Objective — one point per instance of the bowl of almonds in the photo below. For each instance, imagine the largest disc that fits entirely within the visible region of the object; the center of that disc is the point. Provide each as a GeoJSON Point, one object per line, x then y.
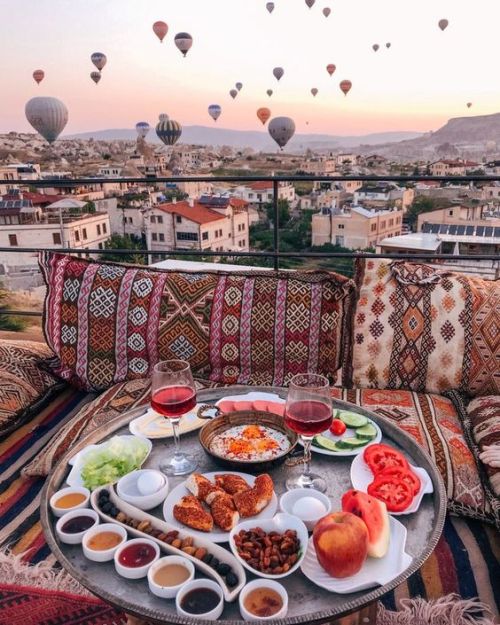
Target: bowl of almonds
{"type": "Point", "coordinates": [270, 548]}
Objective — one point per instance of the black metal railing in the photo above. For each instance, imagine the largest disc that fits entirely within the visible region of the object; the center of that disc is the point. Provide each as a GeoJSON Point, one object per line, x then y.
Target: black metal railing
{"type": "Point", "coordinates": [275, 254]}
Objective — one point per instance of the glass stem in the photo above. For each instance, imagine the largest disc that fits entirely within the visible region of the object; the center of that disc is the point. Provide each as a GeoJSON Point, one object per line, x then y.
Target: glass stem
{"type": "Point", "coordinates": [177, 438]}
{"type": "Point", "coordinates": [307, 440]}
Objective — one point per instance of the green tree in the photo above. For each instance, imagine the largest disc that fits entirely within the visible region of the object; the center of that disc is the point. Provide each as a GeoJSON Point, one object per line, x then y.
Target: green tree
{"type": "Point", "coordinates": [175, 194]}
{"type": "Point", "coordinates": [9, 322]}
{"type": "Point", "coordinates": [283, 211]}
{"type": "Point", "coordinates": [125, 242]}
{"type": "Point", "coordinates": [422, 204]}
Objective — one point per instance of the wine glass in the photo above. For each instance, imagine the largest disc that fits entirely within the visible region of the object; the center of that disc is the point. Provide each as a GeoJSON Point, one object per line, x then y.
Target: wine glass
{"type": "Point", "coordinates": [308, 412]}
{"type": "Point", "coordinates": [173, 394]}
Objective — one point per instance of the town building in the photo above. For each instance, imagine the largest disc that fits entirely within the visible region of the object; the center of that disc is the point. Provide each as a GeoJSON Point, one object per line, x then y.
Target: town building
{"type": "Point", "coordinates": [383, 195]}
{"type": "Point", "coordinates": [319, 166]}
{"type": "Point", "coordinates": [473, 215]}
{"type": "Point", "coordinates": [447, 167]}
{"type": "Point", "coordinates": [259, 193]}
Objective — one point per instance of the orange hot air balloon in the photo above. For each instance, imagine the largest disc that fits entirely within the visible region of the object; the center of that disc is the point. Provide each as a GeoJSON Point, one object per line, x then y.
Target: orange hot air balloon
{"type": "Point", "coordinates": [345, 86]}
{"type": "Point", "coordinates": [330, 68]}
{"type": "Point", "coordinates": [160, 29]}
{"type": "Point", "coordinates": [263, 114]}
{"type": "Point", "coordinates": [38, 76]}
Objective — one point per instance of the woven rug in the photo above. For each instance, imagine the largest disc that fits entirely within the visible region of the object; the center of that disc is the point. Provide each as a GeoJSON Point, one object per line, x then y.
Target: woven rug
{"type": "Point", "coordinates": [465, 561]}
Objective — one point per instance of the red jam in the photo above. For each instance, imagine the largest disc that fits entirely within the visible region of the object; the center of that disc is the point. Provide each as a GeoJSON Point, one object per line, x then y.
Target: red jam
{"type": "Point", "coordinates": [136, 555]}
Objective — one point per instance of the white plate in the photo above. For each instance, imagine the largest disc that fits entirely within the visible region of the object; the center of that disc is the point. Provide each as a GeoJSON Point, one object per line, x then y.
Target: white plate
{"type": "Point", "coordinates": [254, 396]}
{"type": "Point", "coordinates": [153, 425]}
{"type": "Point", "coordinates": [374, 572]}
{"type": "Point", "coordinates": [216, 535]}
{"type": "Point", "coordinates": [361, 477]}
{"type": "Point", "coordinates": [349, 432]}
{"type": "Point", "coordinates": [76, 462]}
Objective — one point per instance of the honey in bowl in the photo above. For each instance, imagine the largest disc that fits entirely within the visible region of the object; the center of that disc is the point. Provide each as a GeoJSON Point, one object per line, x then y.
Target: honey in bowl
{"type": "Point", "coordinates": [171, 575]}
{"type": "Point", "coordinates": [70, 500]}
{"type": "Point", "coordinates": [104, 541]}
{"type": "Point", "coordinates": [263, 602]}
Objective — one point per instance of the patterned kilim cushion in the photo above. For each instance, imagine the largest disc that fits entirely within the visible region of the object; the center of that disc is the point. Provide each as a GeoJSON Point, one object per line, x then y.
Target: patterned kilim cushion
{"type": "Point", "coordinates": [24, 385]}
{"type": "Point", "coordinates": [110, 323]}
{"type": "Point", "coordinates": [267, 328]}
{"type": "Point", "coordinates": [423, 329]}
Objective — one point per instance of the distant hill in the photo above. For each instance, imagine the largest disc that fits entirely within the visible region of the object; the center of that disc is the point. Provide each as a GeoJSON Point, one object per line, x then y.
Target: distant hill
{"type": "Point", "coordinates": [469, 130]}
{"type": "Point", "coordinates": [205, 135]}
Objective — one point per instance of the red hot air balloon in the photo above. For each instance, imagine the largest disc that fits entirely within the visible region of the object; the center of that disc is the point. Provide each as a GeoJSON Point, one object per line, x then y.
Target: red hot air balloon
{"type": "Point", "coordinates": [330, 68]}
{"type": "Point", "coordinates": [233, 93]}
{"type": "Point", "coordinates": [263, 114]}
{"type": "Point", "coordinates": [443, 24]}
{"type": "Point", "coordinates": [38, 76]}
{"type": "Point", "coordinates": [314, 91]}
{"type": "Point", "coordinates": [345, 86]}
{"type": "Point", "coordinates": [310, 3]}
{"type": "Point", "coordinates": [160, 29]}
{"type": "Point", "coordinates": [327, 11]}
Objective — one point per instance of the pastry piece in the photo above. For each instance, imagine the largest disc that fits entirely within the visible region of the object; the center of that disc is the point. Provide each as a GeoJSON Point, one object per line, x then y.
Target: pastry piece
{"type": "Point", "coordinates": [252, 501]}
{"type": "Point", "coordinates": [223, 512]}
{"type": "Point", "coordinates": [190, 512]}
{"type": "Point", "coordinates": [201, 487]}
{"type": "Point", "coordinates": [231, 483]}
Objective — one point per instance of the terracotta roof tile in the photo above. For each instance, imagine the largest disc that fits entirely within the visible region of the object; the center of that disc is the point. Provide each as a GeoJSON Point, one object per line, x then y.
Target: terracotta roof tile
{"type": "Point", "coordinates": [198, 213]}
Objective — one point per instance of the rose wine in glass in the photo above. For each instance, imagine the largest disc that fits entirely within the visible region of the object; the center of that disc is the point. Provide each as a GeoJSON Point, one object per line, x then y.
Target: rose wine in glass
{"type": "Point", "coordinates": [173, 394]}
{"type": "Point", "coordinates": [308, 412]}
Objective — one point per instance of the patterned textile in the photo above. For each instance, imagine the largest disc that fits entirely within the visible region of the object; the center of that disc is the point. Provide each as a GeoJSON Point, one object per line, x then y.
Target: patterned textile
{"type": "Point", "coordinates": [422, 329]}
{"type": "Point", "coordinates": [24, 386]}
{"type": "Point", "coordinates": [265, 329]}
{"type": "Point", "coordinates": [465, 560]}
{"type": "Point", "coordinates": [111, 323]}
{"type": "Point", "coordinates": [483, 423]}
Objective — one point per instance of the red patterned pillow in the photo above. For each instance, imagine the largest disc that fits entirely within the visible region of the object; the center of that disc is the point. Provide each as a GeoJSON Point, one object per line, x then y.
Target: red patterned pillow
{"type": "Point", "coordinates": [266, 328]}
{"type": "Point", "coordinates": [424, 329]}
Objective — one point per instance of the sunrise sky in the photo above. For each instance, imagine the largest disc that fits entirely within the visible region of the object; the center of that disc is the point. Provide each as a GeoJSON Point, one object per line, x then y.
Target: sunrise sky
{"type": "Point", "coordinates": [426, 77]}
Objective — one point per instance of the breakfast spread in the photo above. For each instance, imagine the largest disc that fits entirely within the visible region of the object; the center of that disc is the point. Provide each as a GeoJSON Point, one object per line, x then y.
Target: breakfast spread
{"type": "Point", "coordinates": [250, 442]}
{"type": "Point", "coordinates": [272, 553]}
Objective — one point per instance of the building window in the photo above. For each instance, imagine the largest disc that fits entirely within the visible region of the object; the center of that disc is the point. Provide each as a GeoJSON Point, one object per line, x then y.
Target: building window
{"type": "Point", "coordinates": [341, 226]}
{"type": "Point", "coordinates": [243, 227]}
{"type": "Point", "coordinates": [382, 225]}
{"type": "Point", "coordinates": [56, 238]}
{"type": "Point", "coordinates": [160, 219]}
{"type": "Point", "coordinates": [373, 227]}
{"type": "Point", "coordinates": [250, 195]}
{"type": "Point", "coordinates": [104, 229]}
{"type": "Point", "coordinates": [339, 240]}
{"type": "Point", "coordinates": [154, 236]}
{"type": "Point", "coordinates": [187, 236]}
{"type": "Point", "coordinates": [178, 219]}
{"type": "Point", "coordinates": [450, 213]}
{"type": "Point", "coordinates": [13, 239]}
{"type": "Point", "coordinates": [100, 246]}
{"type": "Point", "coordinates": [391, 222]}
{"type": "Point", "coordinates": [220, 232]}
{"type": "Point", "coordinates": [130, 220]}
{"type": "Point", "coordinates": [204, 236]}
{"type": "Point", "coordinates": [77, 235]}
{"type": "Point", "coordinates": [84, 233]}
{"type": "Point", "coordinates": [153, 219]}
{"type": "Point", "coordinates": [98, 230]}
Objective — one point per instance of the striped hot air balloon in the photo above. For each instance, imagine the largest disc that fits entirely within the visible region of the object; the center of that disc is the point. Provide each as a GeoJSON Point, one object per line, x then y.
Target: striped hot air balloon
{"type": "Point", "coordinates": [142, 129]}
{"type": "Point", "coordinates": [183, 41]}
{"type": "Point", "coordinates": [169, 131]}
{"type": "Point", "coordinates": [48, 116]}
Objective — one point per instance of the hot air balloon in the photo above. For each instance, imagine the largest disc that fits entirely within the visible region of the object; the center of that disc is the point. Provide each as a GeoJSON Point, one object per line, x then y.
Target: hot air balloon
{"type": "Point", "coordinates": [443, 24]}
{"type": "Point", "coordinates": [160, 29]}
{"type": "Point", "coordinates": [96, 76]}
{"type": "Point", "coordinates": [375, 47]}
{"type": "Point", "coordinates": [163, 117]}
{"type": "Point", "coordinates": [38, 76]}
{"type": "Point", "coordinates": [269, 92]}
{"type": "Point", "coordinates": [142, 129]}
{"type": "Point", "coordinates": [270, 7]}
{"type": "Point", "coordinates": [48, 116]}
{"type": "Point", "coordinates": [314, 91]}
{"type": "Point", "coordinates": [345, 86]}
{"type": "Point", "coordinates": [183, 41]}
{"type": "Point", "coordinates": [214, 110]}
{"type": "Point", "coordinates": [99, 60]}
{"type": "Point", "coordinates": [233, 93]}
{"type": "Point", "coordinates": [327, 11]}
{"type": "Point", "coordinates": [281, 130]}
{"type": "Point", "coordinates": [263, 114]}
{"type": "Point", "coordinates": [388, 45]}
{"type": "Point", "coordinates": [330, 68]}
{"type": "Point", "coordinates": [469, 104]}
{"type": "Point", "coordinates": [169, 131]}
{"type": "Point", "coordinates": [310, 3]}
{"type": "Point", "coordinates": [278, 72]}
{"type": "Point", "coordinates": [239, 86]}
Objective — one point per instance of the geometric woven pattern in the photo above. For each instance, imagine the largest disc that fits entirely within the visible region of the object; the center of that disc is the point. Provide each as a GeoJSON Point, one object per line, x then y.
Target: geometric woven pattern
{"type": "Point", "coordinates": [267, 328]}
{"type": "Point", "coordinates": [423, 329]}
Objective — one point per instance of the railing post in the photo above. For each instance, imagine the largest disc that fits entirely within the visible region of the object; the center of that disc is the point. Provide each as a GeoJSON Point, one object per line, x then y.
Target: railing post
{"type": "Point", "coordinates": [276, 225]}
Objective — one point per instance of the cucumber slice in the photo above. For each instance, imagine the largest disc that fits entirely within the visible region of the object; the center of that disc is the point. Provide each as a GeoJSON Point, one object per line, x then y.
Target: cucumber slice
{"type": "Point", "coordinates": [366, 432]}
{"type": "Point", "coordinates": [351, 443]}
{"type": "Point", "coordinates": [326, 443]}
{"type": "Point", "coordinates": [352, 419]}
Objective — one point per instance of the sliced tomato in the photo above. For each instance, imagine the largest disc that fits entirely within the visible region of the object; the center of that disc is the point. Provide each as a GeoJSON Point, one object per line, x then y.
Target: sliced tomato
{"type": "Point", "coordinates": [394, 492]}
{"type": "Point", "coordinates": [338, 427]}
{"type": "Point", "coordinates": [406, 475]}
{"type": "Point", "coordinates": [379, 457]}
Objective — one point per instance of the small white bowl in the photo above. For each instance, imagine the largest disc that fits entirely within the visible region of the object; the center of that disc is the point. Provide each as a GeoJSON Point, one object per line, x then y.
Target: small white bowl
{"type": "Point", "coordinates": [281, 522]}
{"type": "Point", "coordinates": [261, 583]}
{"type": "Point", "coordinates": [128, 491]}
{"type": "Point", "coordinates": [135, 572]}
{"type": "Point", "coordinates": [59, 512]}
{"type": "Point", "coordinates": [288, 500]}
{"type": "Point", "coordinates": [214, 614]}
{"type": "Point", "coordinates": [102, 555]}
{"type": "Point", "coordinates": [75, 539]}
{"type": "Point", "coordinates": [169, 592]}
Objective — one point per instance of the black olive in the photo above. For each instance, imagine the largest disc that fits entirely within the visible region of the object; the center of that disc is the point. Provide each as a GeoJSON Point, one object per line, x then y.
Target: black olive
{"type": "Point", "coordinates": [214, 563]}
{"type": "Point", "coordinates": [223, 568]}
{"type": "Point", "coordinates": [114, 511]}
{"type": "Point", "coordinates": [207, 558]}
{"type": "Point", "coordinates": [231, 580]}
{"type": "Point", "coordinates": [107, 507]}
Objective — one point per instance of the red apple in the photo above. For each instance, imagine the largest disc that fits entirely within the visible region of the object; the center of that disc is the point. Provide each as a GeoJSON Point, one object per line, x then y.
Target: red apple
{"type": "Point", "coordinates": [341, 543]}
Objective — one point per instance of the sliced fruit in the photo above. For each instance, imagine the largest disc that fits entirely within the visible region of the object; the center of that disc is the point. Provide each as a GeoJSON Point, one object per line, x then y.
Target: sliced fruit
{"type": "Point", "coordinates": [406, 475]}
{"type": "Point", "coordinates": [351, 443]}
{"type": "Point", "coordinates": [395, 493]}
{"type": "Point", "coordinates": [338, 427]}
{"type": "Point", "coordinates": [326, 443]}
{"type": "Point", "coordinates": [379, 457]}
{"type": "Point", "coordinates": [366, 432]}
{"type": "Point", "coordinates": [374, 513]}
{"type": "Point", "coordinates": [352, 419]}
